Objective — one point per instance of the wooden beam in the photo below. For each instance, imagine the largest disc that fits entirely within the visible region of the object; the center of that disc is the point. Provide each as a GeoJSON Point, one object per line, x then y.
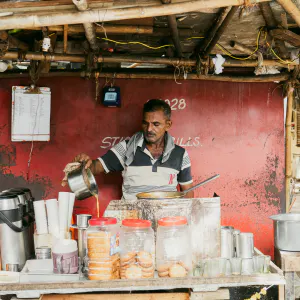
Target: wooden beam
{"type": "Point", "coordinates": [291, 9]}
{"type": "Point", "coordinates": [151, 75]}
{"type": "Point", "coordinates": [123, 296]}
{"type": "Point", "coordinates": [286, 35]}
{"type": "Point", "coordinates": [271, 22]}
{"type": "Point", "coordinates": [174, 33]}
{"type": "Point", "coordinates": [139, 59]}
{"type": "Point", "coordinates": [242, 48]}
{"type": "Point", "coordinates": [89, 28]}
{"type": "Point", "coordinates": [65, 38]}
{"type": "Point", "coordinates": [172, 22]}
{"type": "Point", "coordinates": [220, 31]}
{"type": "Point", "coordinates": [99, 15]}
{"type": "Point", "coordinates": [212, 31]}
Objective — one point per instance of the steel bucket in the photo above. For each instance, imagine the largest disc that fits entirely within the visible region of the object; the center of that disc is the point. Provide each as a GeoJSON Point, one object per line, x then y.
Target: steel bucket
{"type": "Point", "coordinates": [286, 231]}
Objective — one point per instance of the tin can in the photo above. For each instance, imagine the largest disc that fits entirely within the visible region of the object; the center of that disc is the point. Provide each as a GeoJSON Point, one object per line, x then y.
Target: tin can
{"type": "Point", "coordinates": [43, 253]}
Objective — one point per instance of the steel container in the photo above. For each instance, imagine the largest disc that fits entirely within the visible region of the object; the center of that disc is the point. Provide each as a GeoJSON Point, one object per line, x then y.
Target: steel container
{"type": "Point", "coordinates": [286, 231]}
{"type": "Point", "coordinates": [82, 183]}
{"type": "Point", "coordinates": [245, 245]}
{"type": "Point", "coordinates": [227, 249]}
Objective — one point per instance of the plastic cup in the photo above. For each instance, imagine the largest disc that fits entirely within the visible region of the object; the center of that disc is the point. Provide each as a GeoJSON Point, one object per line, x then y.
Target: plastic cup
{"type": "Point", "coordinates": [247, 266]}
{"type": "Point", "coordinates": [236, 265]}
{"type": "Point", "coordinates": [267, 263]}
{"type": "Point", "coordinates": [259, 263]}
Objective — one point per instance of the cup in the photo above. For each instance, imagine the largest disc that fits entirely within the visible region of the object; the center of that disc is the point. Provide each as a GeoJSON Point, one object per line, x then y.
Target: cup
{"type": "Point", "coordinates": [199, 268]}
{"type": "Point", "coordinates": [236, 265]}
{"type": "Point", "coordinates": [82, 221]}
{"type": "Point", "coordinates": [258, 263]}
{"type": "Point", "coordinates": [247, 266]}
{"type": "Point", "coordinates": [65, 257]}
{"type": "Point", "coordinates": [215, 267]}
{"type": "Point", "coordinates": [267, 264]}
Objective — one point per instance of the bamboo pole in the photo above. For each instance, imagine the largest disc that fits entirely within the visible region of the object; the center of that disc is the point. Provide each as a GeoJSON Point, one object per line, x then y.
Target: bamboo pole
{"type": "Point", "coordinates": [151, 75]}
{"type": "Point", "coordinates": [291, 9]}
{"type": "Point", "coordinates": [89, 28]}
{"type": "Point", "coordinates": [109, 29]}
{"type": "Point", "coordinates": [137, 59]}
{"type": "Point", "coordinates": [220, 30]}
{"type": "Point", "coordinates": [65, 38]}
{"type": "Point", "coordinates": [100, 15]}
{"type": "Point", "coordinates": [288, 143]}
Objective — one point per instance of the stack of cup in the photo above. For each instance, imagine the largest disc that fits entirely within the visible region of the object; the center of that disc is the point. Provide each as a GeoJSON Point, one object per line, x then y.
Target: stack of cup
{"type": "Point", "coordinates": [40, 217]}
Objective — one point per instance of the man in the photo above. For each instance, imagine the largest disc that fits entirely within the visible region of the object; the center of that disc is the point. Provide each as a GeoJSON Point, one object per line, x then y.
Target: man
{"type": "Point", "coordinates": [149, 161]}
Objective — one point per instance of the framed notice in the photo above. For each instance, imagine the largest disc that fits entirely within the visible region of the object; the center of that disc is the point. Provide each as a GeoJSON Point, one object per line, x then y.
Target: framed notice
{"type": "Point", "coordinates": [30, 114]}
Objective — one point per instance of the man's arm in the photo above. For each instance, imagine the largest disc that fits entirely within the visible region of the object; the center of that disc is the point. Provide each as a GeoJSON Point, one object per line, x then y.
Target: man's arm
{"type": "Point", "coordinates": [186, 187]}
{"type": "Point", "coordinates": [184, 177]}
{"type": "Point", "coordinates": [94, 165]}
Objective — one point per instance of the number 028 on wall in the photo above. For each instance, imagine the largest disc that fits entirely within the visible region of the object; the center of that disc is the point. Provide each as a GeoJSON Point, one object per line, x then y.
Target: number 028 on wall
{"type": "Point", "coordinates": [176, 104]}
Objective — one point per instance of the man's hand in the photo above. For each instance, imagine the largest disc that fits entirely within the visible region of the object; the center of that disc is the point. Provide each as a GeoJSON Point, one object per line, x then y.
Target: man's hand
{"type": "Point", "coordinates": [186, 187]}
{"type": "Point", "coordinates": [94, 165]}
{"type": "Point", "coordinates": [82, 157]}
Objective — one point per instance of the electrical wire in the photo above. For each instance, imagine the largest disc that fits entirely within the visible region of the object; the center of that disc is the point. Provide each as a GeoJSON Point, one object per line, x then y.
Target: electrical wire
{"type": "Point", "coordinates": [222, 48]}
{"type": "Point", "coordinates": [136, 43]}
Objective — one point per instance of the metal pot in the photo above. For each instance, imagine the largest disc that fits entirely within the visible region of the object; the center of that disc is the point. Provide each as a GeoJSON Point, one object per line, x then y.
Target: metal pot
{"type": "Point", "coordinates": [82, 183]}
{"type": "Point", "coordinates": [286, 231]}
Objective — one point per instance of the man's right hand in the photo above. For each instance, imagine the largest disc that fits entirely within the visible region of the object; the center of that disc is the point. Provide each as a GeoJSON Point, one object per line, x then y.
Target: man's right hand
{"type": "Point", "coordinates": [82, 157]}
{"type": "Point", "coordinates": [94, 165]}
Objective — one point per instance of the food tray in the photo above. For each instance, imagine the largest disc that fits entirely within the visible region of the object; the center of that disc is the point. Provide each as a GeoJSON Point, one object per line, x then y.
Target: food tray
{"type": "Point", "coordinates": [26, 276]}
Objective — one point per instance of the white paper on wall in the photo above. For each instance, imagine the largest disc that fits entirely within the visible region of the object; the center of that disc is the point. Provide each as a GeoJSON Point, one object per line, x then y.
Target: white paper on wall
{"type": "Point", "coordinates": [30, 114]}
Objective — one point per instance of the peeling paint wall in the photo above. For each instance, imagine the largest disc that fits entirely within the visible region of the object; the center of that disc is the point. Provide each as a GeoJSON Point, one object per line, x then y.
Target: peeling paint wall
{"type": "Point", "coordinates": [233, 129]}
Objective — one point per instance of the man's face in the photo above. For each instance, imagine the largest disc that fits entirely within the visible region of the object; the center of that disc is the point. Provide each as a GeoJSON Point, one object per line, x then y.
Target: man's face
{"type": "Point", "coordinates": [155, 124]}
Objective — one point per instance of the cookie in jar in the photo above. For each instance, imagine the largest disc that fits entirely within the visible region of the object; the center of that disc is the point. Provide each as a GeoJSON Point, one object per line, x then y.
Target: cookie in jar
{"type": "Point", "coordinates": [137, 256]}
{"type": "Point", "coordinates": [173, 247]}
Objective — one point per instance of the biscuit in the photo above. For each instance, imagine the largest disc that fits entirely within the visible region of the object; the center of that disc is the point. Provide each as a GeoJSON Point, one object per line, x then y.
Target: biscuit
{"type": "Point", "coordinates": [144, 259]}
{"type": "Point", "coordinates": [103, 256]}
{"type": "Point", "coordinates": [163, 274]}
{"type": "Point", "coordinates": [164, 267]}
{"type": "Point", "coordinates": [128, 262]}
{"type": "Point", "coordinates": [183, 265]}
{"type": "Point", "coordinates": [102, 234]}
{"type": "Point", "coordinates": [177, 270]}
{"type": "Point", "coordinates": [148, 270]}
{"type": "Point", "coordinates": [147, 275]}
{"type": "Point", "coordinates": [99, 250]}
{"type": "Point", "coordinates": [127, 256]}
{"type": "Point", "coordinates": [134, 272]}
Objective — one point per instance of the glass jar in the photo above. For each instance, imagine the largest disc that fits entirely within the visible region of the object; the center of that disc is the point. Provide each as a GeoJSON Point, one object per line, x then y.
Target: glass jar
{"type": "Point", "coordinates": [102, 241]}
{"type": "Point", "coordinates": [137, 249]}
{"type": "Point", "coordinates": [173, 247]}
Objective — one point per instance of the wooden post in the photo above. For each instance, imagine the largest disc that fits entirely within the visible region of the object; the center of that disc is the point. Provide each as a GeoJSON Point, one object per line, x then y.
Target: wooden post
{"type": "Point", "coordinates": [65, 38]}
{"type": "Point", "coordinates": [288, 143]}
{"type": "Point", "coordinates": [89, 28]}
{"type": "Point", "coordinates": [220, 30]}
{"type": "Point", "coordinates": [291, 9]}
{"type": "Point", "coordinates": [113, 14]}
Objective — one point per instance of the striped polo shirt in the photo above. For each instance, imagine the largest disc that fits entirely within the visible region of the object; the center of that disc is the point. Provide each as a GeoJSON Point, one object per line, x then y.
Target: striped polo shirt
{"type": "Point", "coordinates": [146, 174]}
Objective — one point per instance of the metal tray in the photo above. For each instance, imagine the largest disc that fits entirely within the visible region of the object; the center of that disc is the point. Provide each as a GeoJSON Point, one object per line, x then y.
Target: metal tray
{"type": "Point", "coordinates": [26, 276]}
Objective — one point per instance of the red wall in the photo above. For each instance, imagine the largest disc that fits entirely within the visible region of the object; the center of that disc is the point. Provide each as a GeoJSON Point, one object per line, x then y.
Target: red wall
{"type": "Point", "coordinates": [233, 129]}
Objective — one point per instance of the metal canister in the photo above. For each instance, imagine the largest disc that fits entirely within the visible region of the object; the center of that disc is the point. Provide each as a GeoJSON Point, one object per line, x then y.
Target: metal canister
{"type": "Point", "coordinates": [227, 250]}
{"type": "Point", "coordinates": [235, 234]}
{"type": "Point", "coordinates": [245, 246]}
{"type": "Point", "coordinates": [43, 253]}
